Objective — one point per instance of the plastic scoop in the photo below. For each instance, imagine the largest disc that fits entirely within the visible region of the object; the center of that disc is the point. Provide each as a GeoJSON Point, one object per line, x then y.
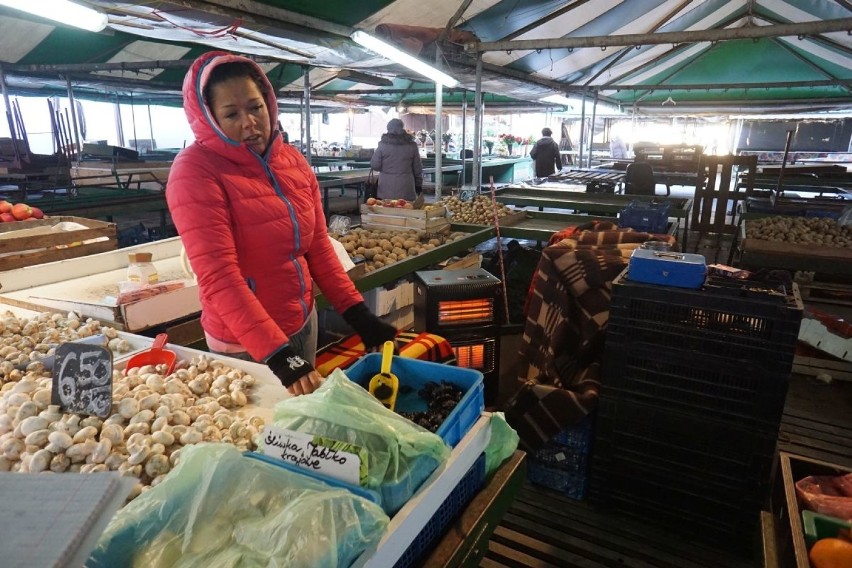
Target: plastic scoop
{"type": "Point", "coordinates": [156, 355]}
{"type": "Point", "coordinates": [385, 385]}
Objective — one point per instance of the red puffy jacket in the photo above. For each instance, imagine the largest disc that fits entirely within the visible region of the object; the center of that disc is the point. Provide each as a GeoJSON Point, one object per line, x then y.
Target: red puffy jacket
{"type": "Point", "coordinates": [253, 228]}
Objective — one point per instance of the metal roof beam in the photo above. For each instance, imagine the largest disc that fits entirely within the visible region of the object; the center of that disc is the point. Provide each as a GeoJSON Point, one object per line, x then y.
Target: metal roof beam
{"type": "Point", "coordinates": [553, 15]}
{"type": "Point", "coordinates": [728, 86]}
{"type": "Point", "coordinates": [799, 29]}
{"type": "Point", "coordinates": [118, 66]}
{"type": "Point", "coordinates": [262, 13]}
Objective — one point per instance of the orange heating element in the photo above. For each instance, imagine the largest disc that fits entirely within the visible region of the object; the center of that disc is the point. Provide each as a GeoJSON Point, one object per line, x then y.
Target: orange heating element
{"type": "Point", "coordinates": [471, 356]}
{"type": "Point", "coordinates": [466, 311]}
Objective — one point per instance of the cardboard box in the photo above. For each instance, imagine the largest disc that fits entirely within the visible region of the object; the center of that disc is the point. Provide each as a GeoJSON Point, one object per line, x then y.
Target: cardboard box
{"type": "Point", "coordinates": [382, 301]}
{"type": "Point", "coordinates": [402, 318]}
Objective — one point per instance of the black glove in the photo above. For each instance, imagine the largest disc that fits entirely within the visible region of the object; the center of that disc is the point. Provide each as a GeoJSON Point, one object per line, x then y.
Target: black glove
{"type": "Point", "coordinates": [288, 366]}
{"type": "Point", "coordinates": [373, 331]}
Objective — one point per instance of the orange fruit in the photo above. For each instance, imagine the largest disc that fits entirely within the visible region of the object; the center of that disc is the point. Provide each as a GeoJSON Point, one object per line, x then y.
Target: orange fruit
{"type": "Point", "coordinates": [831, 553]}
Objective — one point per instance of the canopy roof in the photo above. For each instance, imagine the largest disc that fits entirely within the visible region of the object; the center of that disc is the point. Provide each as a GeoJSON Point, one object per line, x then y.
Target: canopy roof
{"type": "Point", "coordinates": [530, 49]}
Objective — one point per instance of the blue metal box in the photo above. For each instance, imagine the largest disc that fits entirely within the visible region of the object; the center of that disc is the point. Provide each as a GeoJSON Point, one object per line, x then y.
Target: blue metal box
{"type": "Point", "coordinates": [679, 269]}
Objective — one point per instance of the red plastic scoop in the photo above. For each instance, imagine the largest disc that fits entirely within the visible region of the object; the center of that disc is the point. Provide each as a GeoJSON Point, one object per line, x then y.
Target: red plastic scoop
{"type": "Point", "coordinates": [156, 355]}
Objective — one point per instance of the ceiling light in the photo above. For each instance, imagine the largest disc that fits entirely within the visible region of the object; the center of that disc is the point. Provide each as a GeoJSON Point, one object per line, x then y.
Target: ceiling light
{"type": "Point", "coordinates": [398, 56]}
{"type": "Point", "coordinates": [61, 11]}
{"type": "Point", "coordinates": [558, 100]}
{"type": "Point", "coordinates": [365, 78]}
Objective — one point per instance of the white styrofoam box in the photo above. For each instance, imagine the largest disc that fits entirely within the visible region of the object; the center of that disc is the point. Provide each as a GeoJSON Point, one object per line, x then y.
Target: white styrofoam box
{"type": "Point", "coordinates": [264, 395]}
{"type": "Point", "coordinates": [83, 284]}
{"type": "Point", "coordinates": [814, 333]}
{"type": "Point", "coordinates": [382, 301]}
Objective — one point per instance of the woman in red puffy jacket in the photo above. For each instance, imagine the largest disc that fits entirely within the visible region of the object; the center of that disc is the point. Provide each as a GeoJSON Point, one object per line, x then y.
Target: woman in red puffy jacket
{"type": "Point", "coordinates": [249, 213]}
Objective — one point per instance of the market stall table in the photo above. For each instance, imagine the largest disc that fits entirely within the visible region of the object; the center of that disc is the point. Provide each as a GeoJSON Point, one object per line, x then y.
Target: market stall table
{"type": "Point", "coordinates": [121, 174]}
{"type": "Point", "coordinates": [578, 200]}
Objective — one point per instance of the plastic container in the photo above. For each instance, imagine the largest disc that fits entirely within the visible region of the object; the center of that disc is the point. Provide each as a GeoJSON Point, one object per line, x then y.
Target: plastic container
{"type": "Point", "coordinates": [414, 374]}
{"type": "Point", "coordinates": [436, 526]}
{"type": "Point", "coordinates": [645, 216]}
{"type": "Point", "coordinates": [682, 270]}
{"type": "Point", "coordinates": [817, 526]}
{"type": "Point", "coordinates": [141, 270]}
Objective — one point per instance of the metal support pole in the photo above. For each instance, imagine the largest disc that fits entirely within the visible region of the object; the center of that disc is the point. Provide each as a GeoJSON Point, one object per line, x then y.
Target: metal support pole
{"type": "Point", "coordinates": [119, 127]}
{"type": "Point", "coordinates": [133, 123]}
{"type": "Point", "coordinates": [439, 130]}
{"type": "Point", "coordinates": [463, 137]}
{"type": "Point", "coordinates": [11, 122]}
{"type": "Point", "coordinates": [308, 114]}
{"type": "Point", "coordinates": [592, 130]}
{"type": "Point", "coordinates": [151, 128]}
{"type": "Point", "coordinates": [780, 187]}
{"type": "Point", "coordinates": [582, 129]}
{"type": "Point", "coordinates": [476, 170]}
{"type": "Point", "coordinates": [74, 118]}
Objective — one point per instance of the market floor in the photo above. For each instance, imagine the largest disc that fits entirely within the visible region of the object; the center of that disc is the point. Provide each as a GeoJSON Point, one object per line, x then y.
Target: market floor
{"type": "Point", "coordinates": [544, 528]}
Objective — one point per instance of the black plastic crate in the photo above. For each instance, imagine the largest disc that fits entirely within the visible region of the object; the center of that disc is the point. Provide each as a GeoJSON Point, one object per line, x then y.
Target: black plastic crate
{"type": "Point", "coordinates": [721, 318]}
{"type": "Point", "coordinates": [732, 533]}
{"type": "Point", "coordinates": [741, 390]}
{"type": "Point", "coordinates": [692, 445]}
{"type": "Point", "coordinates": [739, 491]}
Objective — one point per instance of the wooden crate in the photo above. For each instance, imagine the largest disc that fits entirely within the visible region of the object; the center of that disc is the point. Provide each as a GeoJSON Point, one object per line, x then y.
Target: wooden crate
{"type": "Point", "coordinates": [36, 242]}
{"type": "Point", "coordinates": [751, 245]}
{"type": "Point", "coordinates": [432, 213]}
{"type": "Point", "coordinates": [790, 538]}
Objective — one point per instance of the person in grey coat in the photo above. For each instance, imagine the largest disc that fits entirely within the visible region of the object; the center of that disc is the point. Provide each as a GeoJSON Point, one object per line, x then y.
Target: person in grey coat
{"type": "Point", "coordinates": [546, 155]}
{"type": "Point", "coordinates": [397, 159]}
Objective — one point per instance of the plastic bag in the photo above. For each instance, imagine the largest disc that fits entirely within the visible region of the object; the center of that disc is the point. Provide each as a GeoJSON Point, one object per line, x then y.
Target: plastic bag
{"type": "Point", "coordinates": [503, 443]}
{"type": "Point", "coordinates": [845, 218]}
{"type": "Point", "coordinates": [220, 508]}
{"type": "Point", "coordinates": [400, 454]}
{"type": "Point", "coordinates": [827, 494]}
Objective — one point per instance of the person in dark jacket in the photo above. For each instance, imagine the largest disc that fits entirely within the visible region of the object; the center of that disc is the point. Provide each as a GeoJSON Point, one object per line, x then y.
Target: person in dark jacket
{"type": "Point", "coordinates": [397, 159]}
{"type": "Point", "coordinates": [546, 155]}
{"type": "Point", "coordinates": [249, 213]}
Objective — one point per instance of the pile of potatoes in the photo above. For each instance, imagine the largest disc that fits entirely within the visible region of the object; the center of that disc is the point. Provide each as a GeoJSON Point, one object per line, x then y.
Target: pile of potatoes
{"type": "Point", "coordinates": [153, 416]}
{"type": "Point", "coordinates": [800, 230]}
{"type": "Point", "coordinates": [477, 211]}
{"type": "Point", "coordinates": [383, 248]}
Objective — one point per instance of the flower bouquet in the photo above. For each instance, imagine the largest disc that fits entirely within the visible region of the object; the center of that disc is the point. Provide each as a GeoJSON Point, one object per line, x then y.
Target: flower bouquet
{"type": "Point", "coordinates": [510, 140]}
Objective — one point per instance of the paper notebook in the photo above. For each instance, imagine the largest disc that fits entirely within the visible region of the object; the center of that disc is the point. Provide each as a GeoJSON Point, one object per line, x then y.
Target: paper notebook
{"type": "Point", "coordinates": [53, 521]}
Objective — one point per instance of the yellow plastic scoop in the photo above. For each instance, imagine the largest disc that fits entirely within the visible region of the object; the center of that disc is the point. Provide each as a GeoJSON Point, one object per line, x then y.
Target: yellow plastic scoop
{"type": "Point", "coordinates": [385, 385]}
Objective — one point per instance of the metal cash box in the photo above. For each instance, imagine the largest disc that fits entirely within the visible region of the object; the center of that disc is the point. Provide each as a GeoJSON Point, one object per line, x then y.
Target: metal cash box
{"type": "Point", "coordinates": [679, 269]}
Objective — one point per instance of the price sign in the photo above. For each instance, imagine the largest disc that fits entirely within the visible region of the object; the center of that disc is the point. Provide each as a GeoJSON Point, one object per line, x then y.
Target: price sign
{"type": "Point", "coordinates": [467, 194]}
{"type": "Point", "coordinates": [82, 379]}
{"type": "Point", "coordinates": [340, 460]}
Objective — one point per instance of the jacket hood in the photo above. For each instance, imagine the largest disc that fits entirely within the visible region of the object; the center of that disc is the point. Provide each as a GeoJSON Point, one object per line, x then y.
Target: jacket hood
{"type": "Point", "coordinates": [544, 140]}
{"type": "Point", "coordinates": [400, 139]}
{"type": "Point", "coordinates": [200, 116]}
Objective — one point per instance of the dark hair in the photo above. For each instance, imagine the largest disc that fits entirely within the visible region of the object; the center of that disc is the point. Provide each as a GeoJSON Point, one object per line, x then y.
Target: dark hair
{"type": "Point", "coordinates": [232, 70]}
{"type": "Point", "coordinates": [546, 132]}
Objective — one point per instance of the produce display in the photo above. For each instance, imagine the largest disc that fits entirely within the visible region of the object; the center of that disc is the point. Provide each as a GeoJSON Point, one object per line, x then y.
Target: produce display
{"type": "Point", "coordinates": [10, 213]}
{"type": "Point", "coordinates": [831, 497]}
{"type": "Point", "coordinates": [383, 248]}
{"type": "Point", "coordinates": [477, 211]}
{"type": "Point", "coordinates": [442, 399]}
{"type": "Point", "coordinates": [398, 203]}
{"type": "Point", "coordinates": [154, 416]}
{"type": "Point", "coordinates": [819, 231]}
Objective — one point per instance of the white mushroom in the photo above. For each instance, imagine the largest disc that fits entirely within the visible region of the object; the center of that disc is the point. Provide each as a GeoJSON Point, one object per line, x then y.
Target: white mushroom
{"type": "Point", "coordinates": [163, 437]}
{"type": "Point", "coordinates": [59, 442]}
{"type": "Point", "coordinates": [59, 463]}
{"type": "Point", "coordinates": [138, 455]}
{"type": "Point", "coordinates": [157, 465]}
{"type": "Point", "coordinates": [37, 438]}
{"type": "Point", "coordinates": [191, 436]}
{"type": "Point", "coordinates": [40, 461]}
{"type": "Point", "coordinates": [112, 432]}
{"type": "Point", "coordinates": [79, 452]}
{"type": "Point", "coordinates": [83, 434]}
{"type": "Point", "coordinates": [31, 424]}
{"type": "Point", "coordinates": [101, 451]}
{"type": "Point", "coordinates": [128, 408]}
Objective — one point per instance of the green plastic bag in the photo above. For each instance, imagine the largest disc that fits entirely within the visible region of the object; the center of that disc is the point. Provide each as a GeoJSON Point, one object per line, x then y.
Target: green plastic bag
{"type": "Point", "coordinates": [503, 443]}
{"type": "Point", "coordinates": [400, 454]}
{"type": "Point", "coordinates": [221, 508]}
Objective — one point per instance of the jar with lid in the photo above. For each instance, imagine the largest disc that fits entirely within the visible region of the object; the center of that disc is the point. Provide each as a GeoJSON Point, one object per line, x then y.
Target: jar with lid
{"type": "Point", "coordinates": [141, 270]}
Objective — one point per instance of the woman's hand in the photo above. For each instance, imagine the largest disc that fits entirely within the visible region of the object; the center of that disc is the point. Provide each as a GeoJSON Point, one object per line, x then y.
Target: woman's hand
{"type": "Point", "coordinates": [307, 384]}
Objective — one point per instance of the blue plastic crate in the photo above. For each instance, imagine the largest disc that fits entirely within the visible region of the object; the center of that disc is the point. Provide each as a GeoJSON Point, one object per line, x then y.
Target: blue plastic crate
{"type": "Point", "coordinates": [415, 374]}
{"type": "Point", "coordinates": [646, 216]}
{"type": "Point", "coordinates": [435, 528]}
{"type": "Point", "coordinates": [572, 484]}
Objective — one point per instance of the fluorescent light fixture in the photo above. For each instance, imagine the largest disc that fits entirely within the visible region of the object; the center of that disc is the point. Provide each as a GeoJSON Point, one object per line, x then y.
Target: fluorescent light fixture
{"type": "Point", "coordinates": [61, 11]}
{"type": "Point", "coordinates": [365, 78]}
{"type": "Point", "coordinates": [558, 100]}
{"type": "Point", "coordinates": [398, 56]}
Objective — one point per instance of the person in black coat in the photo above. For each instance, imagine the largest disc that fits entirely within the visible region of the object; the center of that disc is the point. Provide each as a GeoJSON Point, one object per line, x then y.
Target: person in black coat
{"type": "Point", "coordinates": [546, 155]}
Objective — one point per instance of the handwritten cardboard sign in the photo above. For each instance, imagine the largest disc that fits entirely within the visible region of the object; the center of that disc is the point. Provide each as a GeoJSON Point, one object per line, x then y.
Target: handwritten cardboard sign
{"type": "Point", "coordinates": [333, 458]}
{"type": "Point", "coordinates": [82, 379]}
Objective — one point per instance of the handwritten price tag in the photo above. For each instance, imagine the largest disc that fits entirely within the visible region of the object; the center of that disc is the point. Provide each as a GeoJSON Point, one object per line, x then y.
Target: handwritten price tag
{"type": "Point", "coordinates": [333, 458]}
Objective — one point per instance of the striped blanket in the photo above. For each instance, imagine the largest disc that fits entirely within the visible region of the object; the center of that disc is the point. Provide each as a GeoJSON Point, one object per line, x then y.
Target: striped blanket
{"type": "Point", "coordinates": [423, 346]}
{"type": "Point", "coordinates": [562, 343]}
